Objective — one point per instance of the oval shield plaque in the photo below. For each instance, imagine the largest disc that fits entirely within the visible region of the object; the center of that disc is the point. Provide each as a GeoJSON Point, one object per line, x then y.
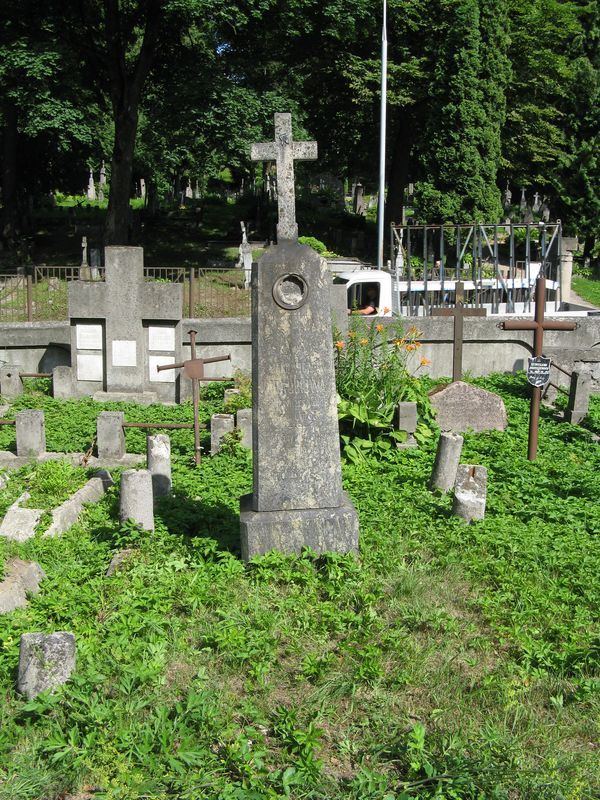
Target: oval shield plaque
{"type": "Point", "coordinates": [538, 371]}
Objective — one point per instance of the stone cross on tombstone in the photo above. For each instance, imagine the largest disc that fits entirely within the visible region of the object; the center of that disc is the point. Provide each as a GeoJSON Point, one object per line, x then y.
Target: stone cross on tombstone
{"type": "Point", "coordinates": [297, 497]}
{"type": "Point", "coordinates": [538, 325]}
{"type": "Point", "coordinates": [122, 328]}
{"type": "Point", "coordinates": [459, 312]}
{"type": "Point", "coordinates": [284, 150]}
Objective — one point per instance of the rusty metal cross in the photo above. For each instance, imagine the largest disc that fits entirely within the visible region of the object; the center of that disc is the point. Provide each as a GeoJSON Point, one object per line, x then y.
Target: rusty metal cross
{"type": "Point", "coordinates": [194, 370]}
{"type": "Point", "coordinates": [459, 312]}
{"type": "Point", "coordinates": [538, 325]}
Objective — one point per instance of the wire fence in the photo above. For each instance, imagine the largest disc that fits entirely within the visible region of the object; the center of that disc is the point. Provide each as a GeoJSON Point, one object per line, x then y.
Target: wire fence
{"type": "Point", "coordinates": [42, 294]}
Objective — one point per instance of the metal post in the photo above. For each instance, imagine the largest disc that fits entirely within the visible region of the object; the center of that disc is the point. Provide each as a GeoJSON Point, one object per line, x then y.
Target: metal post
{"type": "Point", "coordinates": [191, 292]}
{"type": "Point", "coordinates": [195, 403]}
{"type": "Point", "coordinates": [382, 126]}
{"type": "Point", "coordinates": [538, 343]}
{"type": "Point", "coordinates": [29, 298]}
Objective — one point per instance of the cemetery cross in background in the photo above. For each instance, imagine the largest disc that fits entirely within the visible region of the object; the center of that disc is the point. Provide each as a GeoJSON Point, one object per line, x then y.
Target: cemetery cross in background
{"type": "Point", "coordinates": [459, 312]}
{"type": "Point", "coordinates": [194, 370]}
{"type": "Point", "coordinates": [284, 151]}
{"type": "Point", "coordinates": [538, 325]}
{"type": "Point", "coordinates": [297, 499]}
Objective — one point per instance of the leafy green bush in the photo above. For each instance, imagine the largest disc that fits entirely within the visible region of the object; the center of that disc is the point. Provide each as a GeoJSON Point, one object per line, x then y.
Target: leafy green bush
{"type": "Point", "coordinates": [372, 377]}
{"type": "Point", "coordinates": [316, 245]}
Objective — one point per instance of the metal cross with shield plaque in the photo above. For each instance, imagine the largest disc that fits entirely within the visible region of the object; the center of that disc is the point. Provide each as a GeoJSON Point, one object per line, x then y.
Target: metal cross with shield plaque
{"type": "Point", "coordinates": [538, 325]}
{"type": "Point", "coordinates": [193, 369]}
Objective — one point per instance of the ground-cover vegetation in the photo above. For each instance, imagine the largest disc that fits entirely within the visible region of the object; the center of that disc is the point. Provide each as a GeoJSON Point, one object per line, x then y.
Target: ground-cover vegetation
{"type": "Point", "coordinates": [450, 661]}
{"type": "Point", "coordinates": [588, 289]}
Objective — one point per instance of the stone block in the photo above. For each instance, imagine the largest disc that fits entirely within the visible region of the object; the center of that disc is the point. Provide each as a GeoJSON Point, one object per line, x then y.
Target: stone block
{"type": "Point", "coordinates": [28, 572]}
{"type": "Point", "coordinates": [137, 500]}
{"type": "Point", "coordinates": [447, 459]}
{"type": "Point", "coordinates": [470, 492]}
{"type": "Point", "coordinates": [158, 449]}
{"type": "Point", "coordinates": [19, 523]}
{"type": "Point", "coordinates": [11, 385]}
{"type": "Point", "coordinates": [45, 662]}
{"type": "Point", "coordinates": [579, 397]}
{"type": "Point", "coordinates": [12, 594]}
{"type": "Point", "coordinates": [228, 394]}
{"type": "Point", "coordinates": [407, 422]}
{"type": "Point", "coordinates": [244, 425]}
{"type": "Point", "coordinates": [110, 436]}
{"type": "Point", "coordinates": [322, 529]}
{"type": "Point", "coordinates": [220, 425]}
{"type": "Point", "coordinates": [63, 385]}
{"type": "Point", "coordinates": [118, 560]}
{"type": "Point", "coordinates": [461, 407]}
{"type": "Point", "coordinates": [22, 578]}
{"type": "Point", "coordinates": [31, 433]}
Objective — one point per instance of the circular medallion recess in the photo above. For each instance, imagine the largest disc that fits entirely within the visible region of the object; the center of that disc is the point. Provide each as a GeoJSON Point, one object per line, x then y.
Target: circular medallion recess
{"type": "Point", "coordinates": [290, 291]}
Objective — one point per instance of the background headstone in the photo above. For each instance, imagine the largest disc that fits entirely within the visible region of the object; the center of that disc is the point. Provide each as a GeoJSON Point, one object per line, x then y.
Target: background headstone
{"type": "Point", "coordinates": [123, 328]}
{"type": "Point", "coordinates": [461, 407]}
{"type": "Point", "coordinates": [136, 498]}
{"type": "Point", "coordinates": [158, 449]}
{"type": "Point", "coordinates": [31, 433]}
{"type": "Point", "coordinates": [220, 426]}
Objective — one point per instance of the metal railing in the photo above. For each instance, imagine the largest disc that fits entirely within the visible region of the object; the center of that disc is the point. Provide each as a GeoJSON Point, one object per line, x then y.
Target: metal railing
{"type": "Point", "coordinates": [498, 263]}
{"type": "Point", "coordinates": [41, 293]}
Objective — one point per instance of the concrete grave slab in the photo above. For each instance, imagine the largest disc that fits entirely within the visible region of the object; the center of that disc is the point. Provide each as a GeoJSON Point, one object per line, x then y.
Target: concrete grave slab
{"type": "Point", "coordinates": [67, 514]}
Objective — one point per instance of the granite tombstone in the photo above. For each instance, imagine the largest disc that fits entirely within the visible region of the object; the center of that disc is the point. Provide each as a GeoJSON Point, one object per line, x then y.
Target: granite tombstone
{"type": "Point", "coordinates": [297, 497]}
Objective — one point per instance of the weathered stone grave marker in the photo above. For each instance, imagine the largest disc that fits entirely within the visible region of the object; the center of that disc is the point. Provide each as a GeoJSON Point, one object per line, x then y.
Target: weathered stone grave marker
{"type": "Point", "coordinates": [297, 497]}
{"type": "Point", "coordinates": [122, 329]}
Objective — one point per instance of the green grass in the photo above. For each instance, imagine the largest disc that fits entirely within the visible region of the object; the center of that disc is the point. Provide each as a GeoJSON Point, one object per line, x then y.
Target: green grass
{"type": "Point", "coordinates": [588, 289]}
{"type": "Point", "coordinates": [450, 661]}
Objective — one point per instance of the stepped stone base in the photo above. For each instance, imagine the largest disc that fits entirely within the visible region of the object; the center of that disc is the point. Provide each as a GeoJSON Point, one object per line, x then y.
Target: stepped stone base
{"type": "Point", "coordinates": [322, 529]}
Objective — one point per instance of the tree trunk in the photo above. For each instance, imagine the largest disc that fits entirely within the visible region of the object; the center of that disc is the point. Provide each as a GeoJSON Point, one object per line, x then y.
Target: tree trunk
{"type": "Point", "coordinates": [398, 178]}
{"type": "Point", "coordinates": [9, 175]}
{"type": "Point", "coordinates": [118, 214]}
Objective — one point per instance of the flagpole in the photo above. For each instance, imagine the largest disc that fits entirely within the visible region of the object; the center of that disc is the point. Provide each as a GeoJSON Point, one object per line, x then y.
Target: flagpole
{"type": "Point", "coordinates": [382, 128]}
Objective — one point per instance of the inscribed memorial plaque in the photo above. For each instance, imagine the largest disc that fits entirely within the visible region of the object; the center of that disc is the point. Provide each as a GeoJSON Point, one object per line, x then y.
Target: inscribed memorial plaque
{"type": "Point", "coordinates": [168, 376]}
{"type": "Point", "coordinates": [89, 337]}
{"type": "Point", "coordinates": [161, 338]}
{"type": "Point", "coordinates": [538, 371]}
{"type": "Point", "coordinates": [124, 353]}
{"type": "Point", "coordinates": [90, 367]}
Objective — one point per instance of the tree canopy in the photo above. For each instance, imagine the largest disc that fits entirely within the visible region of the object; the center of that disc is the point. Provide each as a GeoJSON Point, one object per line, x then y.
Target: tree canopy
{"type": "Point", "coordinates": [481, 93]}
